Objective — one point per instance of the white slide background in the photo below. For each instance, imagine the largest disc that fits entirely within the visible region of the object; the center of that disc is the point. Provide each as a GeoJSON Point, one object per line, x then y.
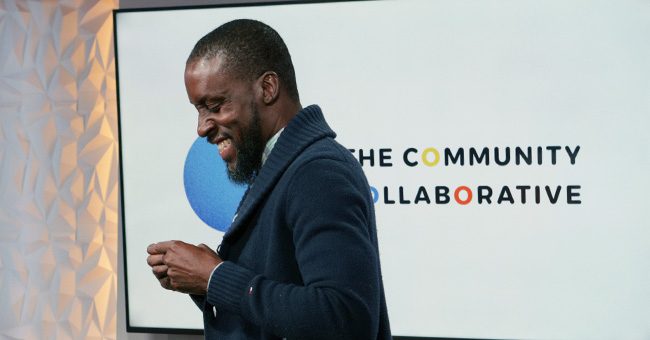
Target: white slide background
{"type": "Point", "coordinates": [441, 74]}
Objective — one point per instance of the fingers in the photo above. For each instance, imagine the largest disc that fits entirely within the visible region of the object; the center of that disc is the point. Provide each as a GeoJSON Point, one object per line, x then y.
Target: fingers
{"type": "Point", "coordinates": [166, 283]}
{"type": "Point", "coordinates": [160, 247]}
{"type": "Point", "coordinates": [153, 249]}
{"type": "Point", "coordinates": [181, 266]}
{"type": "Point", "coordinates": [160, 271]}
{"type": "Point", "coordinates": [155, 260]}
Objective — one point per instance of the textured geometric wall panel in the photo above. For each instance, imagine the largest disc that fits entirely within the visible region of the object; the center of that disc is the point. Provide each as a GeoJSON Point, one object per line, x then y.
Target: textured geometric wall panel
{"type": "Point", "coordinates": [58, 170]}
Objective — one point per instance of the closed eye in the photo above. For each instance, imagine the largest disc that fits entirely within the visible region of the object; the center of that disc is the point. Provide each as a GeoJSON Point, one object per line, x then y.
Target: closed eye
{"type": "Point", "coordinates": [215, 105]}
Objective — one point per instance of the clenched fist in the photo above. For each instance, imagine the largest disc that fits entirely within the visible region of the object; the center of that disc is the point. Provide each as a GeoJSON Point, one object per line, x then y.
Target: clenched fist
{"type": "Point", "coordinates": [181, 266]}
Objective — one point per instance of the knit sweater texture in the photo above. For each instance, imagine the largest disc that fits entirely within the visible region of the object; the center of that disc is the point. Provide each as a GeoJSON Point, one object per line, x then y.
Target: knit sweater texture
{"type": "Point", "coordinates": [301, 257]}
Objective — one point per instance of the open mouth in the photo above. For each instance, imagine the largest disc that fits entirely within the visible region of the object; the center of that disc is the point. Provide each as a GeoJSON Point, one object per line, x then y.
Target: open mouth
{"type": "Point", "coordinates": [226, 150]}
{"type": "Point", "coordinates": [224, 144]}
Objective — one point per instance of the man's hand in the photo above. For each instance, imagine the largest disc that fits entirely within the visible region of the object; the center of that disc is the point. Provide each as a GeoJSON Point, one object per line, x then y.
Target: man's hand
{"type": "Point", "coordinates": [182, 267]}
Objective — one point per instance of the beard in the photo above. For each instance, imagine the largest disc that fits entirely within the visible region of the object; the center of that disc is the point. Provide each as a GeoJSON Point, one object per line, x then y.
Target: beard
{"type": "Point", "coordinates": [249, 153]}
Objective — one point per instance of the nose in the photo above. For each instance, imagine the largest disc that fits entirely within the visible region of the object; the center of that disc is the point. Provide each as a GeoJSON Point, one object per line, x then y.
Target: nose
{"type": "Point", "coordinates": [205, 125]}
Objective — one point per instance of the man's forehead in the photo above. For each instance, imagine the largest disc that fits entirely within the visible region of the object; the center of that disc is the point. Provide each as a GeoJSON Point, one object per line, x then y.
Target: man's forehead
{"type": "Point", "coordinates": [207, 65]}
{"type": "Point", "coordinates": [208, 79]}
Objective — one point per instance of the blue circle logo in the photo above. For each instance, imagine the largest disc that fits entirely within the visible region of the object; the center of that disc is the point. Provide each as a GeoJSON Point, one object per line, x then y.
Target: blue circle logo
{"type": "Point", "coordinates": [212, 196]}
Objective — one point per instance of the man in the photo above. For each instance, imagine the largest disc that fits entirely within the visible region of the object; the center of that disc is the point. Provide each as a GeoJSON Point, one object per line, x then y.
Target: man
{"type": "Point", "coordinates": [300, 260]}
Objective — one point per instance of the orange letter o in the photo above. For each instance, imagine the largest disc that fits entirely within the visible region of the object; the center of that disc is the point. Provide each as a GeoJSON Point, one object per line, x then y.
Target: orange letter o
{"type": "Point", "coordinates": [457, 195]}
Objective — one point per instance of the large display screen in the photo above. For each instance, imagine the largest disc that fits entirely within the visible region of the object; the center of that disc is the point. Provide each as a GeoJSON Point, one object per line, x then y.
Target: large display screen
{"type": "Point", "coordinates": [506, 143]}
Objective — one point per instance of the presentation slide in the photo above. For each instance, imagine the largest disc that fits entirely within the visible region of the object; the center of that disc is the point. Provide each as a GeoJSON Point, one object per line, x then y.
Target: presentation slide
{"type": "Point", "coordinates": [505, 142]}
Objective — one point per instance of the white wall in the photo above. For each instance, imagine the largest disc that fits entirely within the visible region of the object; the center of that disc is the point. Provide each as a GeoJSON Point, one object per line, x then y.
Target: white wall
{"type": "Point", "coordinates": [58, 170]}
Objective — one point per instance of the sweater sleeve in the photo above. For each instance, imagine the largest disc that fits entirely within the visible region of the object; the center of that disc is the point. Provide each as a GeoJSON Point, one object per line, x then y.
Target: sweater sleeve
{"type": "Point", "coordinates": [329, 209]}
{"type": "Point", "coordinates": [199, 300]}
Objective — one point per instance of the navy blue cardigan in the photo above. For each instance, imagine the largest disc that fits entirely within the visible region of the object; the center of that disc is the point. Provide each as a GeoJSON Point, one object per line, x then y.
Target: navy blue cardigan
{"type": "Point", "coordinates": [301, 257]}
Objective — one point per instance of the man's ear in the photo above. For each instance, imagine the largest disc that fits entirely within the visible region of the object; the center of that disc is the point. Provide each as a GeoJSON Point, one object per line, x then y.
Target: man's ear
{"type": "Point", "coordinates": [270, 85]}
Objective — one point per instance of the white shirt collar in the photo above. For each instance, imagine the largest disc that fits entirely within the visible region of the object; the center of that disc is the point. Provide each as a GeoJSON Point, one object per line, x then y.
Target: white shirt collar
{"type": "Point", "coordinates": [270, 144]}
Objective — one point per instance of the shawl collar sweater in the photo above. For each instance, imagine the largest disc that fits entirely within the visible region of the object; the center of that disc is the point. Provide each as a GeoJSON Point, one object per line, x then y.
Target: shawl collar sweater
{"type": "Point", "coordinates": [300, 259]}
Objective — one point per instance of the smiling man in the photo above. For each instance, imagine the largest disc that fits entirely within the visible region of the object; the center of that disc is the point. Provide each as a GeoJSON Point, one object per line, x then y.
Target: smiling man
{"type": "Point", "coordinates": [300, 260]}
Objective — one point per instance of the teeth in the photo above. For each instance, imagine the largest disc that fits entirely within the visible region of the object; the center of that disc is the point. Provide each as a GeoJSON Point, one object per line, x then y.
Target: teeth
{"type": "Point", "coordinates": [224, 144]}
